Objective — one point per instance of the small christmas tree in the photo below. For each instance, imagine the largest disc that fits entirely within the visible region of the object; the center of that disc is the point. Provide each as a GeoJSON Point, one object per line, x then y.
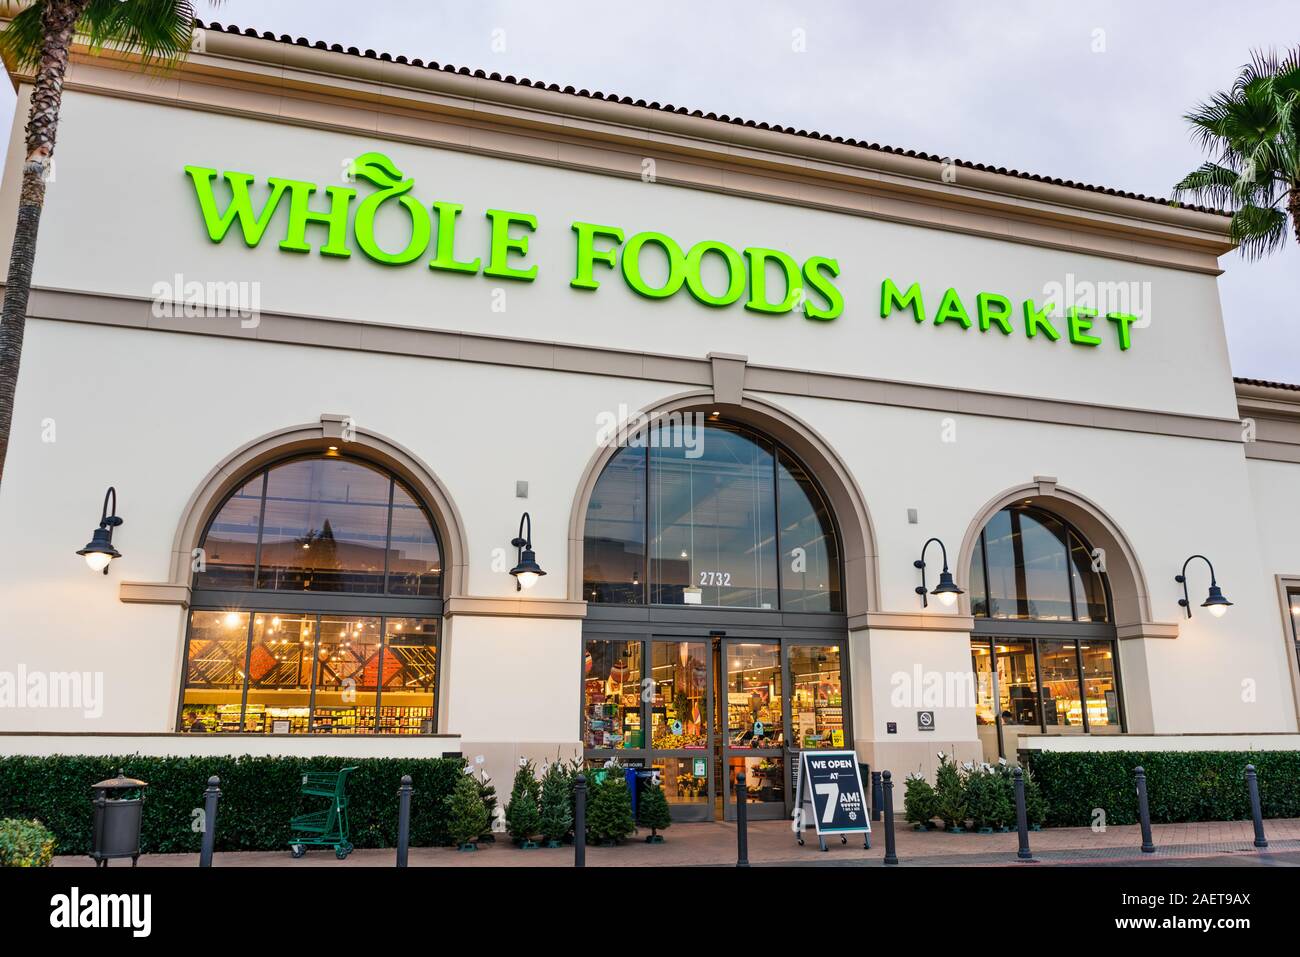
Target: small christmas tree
{"type": "Point", "coordinates": [981, 798]}
{"type": "Point", "coordinates": [609, 816]}
{"type": "Point", "coordinates": [466, 815]}
{"type": "Point", "coordinates": [487, 792]}
{"type": "Point", "coordinates": [556, 805]}
{"type": "Point", "coordinates": [1036, 806]}
{"type": "Point", "coordinates": [950, 794]}
{"type": "Point", "coordinates": [652, 812]}
{"type": "Point", "coordinates": [523, 817]}
{"type": "Point", "coordinates": [919, 801]}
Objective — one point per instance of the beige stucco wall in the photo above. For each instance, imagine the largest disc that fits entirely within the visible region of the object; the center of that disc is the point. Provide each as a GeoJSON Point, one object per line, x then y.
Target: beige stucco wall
{"type": "Point", "coordinates": [152, 412]}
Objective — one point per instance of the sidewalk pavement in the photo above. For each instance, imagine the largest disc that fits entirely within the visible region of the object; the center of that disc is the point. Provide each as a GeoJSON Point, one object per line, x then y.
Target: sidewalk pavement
{"type": "Point", "coordinates": [773, 843]}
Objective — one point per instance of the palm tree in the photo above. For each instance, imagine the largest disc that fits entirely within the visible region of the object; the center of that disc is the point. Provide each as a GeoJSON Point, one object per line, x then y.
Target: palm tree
{"type": "Point", "coordinates": [39, 38]}
{"type": "Point", "coordinates": [1256, 173]}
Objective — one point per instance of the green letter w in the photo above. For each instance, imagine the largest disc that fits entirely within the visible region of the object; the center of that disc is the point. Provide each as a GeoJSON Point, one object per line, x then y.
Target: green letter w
{"type": "Point", "coordinates": [240, 208]}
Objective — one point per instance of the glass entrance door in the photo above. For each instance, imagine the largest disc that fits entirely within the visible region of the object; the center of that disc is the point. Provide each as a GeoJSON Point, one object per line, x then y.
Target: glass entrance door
{"type": "Point", "coordinates": [681, 725]}
{"type": "Point", "coordinates": [755, 713]}
{"type": "Point", "coordinates": [702, 711]}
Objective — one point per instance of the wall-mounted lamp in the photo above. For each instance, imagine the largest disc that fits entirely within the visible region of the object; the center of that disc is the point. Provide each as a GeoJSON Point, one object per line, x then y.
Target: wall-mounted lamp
{"type": "Point", "coordinates": [100, 551]}
{"type": "Point", "coordinates": [1214, 602]}
{"type": "Point", "coordinates": [526, 570]}
{"type": "Point", "coordinates": [946, 591]}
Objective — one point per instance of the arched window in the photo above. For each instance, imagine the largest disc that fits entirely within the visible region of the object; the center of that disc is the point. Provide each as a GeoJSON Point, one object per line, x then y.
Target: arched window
{"type": "Point", "coordinates": [709, 514]}
{"type": "Point", "coordinates": [1043, 649]}
{"type": "Point", "coordinates": [315, 606]}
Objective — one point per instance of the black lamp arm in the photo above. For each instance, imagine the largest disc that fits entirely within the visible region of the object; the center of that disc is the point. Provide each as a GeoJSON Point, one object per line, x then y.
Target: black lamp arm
{"type": "Point", "coordinates": [108, 517]}
{"type": "Point", "coordinates": [1181, 578]}
{"type": "Point", "coordinates": [920, 563]}
{"type": "Point", "coordinates": [524, 541]}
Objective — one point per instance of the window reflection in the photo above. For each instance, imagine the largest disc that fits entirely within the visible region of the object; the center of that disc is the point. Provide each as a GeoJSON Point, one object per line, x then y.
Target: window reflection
{"type": "Point", "coordinates": [1036, 568]}
{"type": "Point", "coordinates": [714, 494]}
{"type": "Point", "coordinates": [230, 545]}
{"type": "Point", "coordinates": [614, 549]}
{"type": "Point", "coordinates": [323, 524]}
{"type": "Point", "coordinates": [712, 524]}
{"type": "Point", "coordinates": [810, 564]}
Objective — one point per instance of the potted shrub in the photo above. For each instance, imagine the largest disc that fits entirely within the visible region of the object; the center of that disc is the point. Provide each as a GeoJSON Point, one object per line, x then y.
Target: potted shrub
{"type": "Point", "coordinates": [467, 816]}
{"type": "Point", "coordinates": [918, 801]}
{"type": "Point", "coordinates": [652, 812]}
{"type": "Point", "coordinates": [609, 815]}
{"type": "Point", "coordinates": [1004, 777]}
{"type": "Point", "coordinates": [487, 792]}
{"type": "Point", "coordinates": [555, 818]}
{"type": "Point", "coordinates": [981, 798]}
{"type": "Point", "coordinates": [523, 814]}
{"type": "Point", "coordinates": [1036, 807]}
{"type": "Point", "coordinates": [950, 795]}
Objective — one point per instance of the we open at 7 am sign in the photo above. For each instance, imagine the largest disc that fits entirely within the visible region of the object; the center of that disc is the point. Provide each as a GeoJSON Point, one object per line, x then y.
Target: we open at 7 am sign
{"type": "Point", "coordinates": [834, 783]}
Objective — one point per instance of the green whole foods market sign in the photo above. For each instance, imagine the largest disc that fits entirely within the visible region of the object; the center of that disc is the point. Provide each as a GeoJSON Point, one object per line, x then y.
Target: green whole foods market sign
{"type": "Point", "coordinates": [344, 222]}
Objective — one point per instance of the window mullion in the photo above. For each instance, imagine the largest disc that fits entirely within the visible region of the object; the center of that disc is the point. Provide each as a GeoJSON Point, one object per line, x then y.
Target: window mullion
{"type": "Point", "coordinates": [388, 533]}
{"type": "Point", "coordinates": [261, 528]}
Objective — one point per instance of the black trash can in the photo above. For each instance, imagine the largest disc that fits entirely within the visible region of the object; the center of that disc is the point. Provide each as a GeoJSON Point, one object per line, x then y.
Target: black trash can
{"type": "Point", "coordinates": [119, 802]}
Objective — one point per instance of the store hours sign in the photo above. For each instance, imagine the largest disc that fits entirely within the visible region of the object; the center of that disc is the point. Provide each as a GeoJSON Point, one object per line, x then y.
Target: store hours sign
{"type": "Point", "coordinates": [833, 781]}
{"type": "Point", "coordinates": [338, 220]}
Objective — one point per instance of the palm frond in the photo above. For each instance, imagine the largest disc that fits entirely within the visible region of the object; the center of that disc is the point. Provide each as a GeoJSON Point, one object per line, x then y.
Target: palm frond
{"type": "Point", "coordinates": [23, 39]}
{"type": "Point", "coordinates": [1210, 183]}
{"type": "Point", "coordinates": [1258, 231]}
{"type": "Point", "coordinates": [157, 30]}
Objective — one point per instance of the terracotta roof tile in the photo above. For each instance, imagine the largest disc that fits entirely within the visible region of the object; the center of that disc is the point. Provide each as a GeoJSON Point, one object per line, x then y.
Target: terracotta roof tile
{"type": "Point", "coordinates": [1265, 383]}
{"type": "Point", "coordinates": [723, 118]}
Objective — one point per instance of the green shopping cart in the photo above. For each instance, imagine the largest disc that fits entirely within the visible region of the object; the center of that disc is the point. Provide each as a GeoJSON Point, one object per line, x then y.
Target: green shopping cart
{"type": "Point", "coordinates": [328, 828]}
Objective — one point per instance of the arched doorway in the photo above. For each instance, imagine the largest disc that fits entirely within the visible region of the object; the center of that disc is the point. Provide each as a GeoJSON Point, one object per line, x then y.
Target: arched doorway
{"type": "Point", "coordinates": [715, 642]}
{"type": "Point", "coordinates": [316, 604]}
{"type": "Point", "coordinates": [1043, 647]}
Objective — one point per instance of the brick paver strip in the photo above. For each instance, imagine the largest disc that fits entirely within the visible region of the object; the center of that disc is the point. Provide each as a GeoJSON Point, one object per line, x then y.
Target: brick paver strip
{"type": "Point", "coordinates": [771, 842]}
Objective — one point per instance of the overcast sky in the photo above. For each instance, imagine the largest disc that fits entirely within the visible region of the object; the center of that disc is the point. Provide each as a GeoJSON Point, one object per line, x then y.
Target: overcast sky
{"type": "Point", "coordinates": [1090, 91]}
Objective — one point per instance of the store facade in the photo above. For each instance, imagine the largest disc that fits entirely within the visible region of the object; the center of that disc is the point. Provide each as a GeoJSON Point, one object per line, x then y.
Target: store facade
{"type": "Point", "coordinates": [357, 333]}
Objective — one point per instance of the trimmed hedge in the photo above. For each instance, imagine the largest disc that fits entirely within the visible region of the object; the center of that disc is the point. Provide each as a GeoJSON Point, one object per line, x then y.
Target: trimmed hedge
{"type": "Point", "coordinates": [258, 796]}
{"type": "Point", "coordinates": [1182, 786]}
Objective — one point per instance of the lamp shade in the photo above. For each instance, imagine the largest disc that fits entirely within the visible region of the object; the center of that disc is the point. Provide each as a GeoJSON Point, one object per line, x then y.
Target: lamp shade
{"type": "Point", "coordinates": [1216, 603]}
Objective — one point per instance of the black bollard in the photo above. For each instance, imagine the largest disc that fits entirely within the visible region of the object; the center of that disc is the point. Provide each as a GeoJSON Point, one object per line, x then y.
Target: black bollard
{"type": "Point", "coordinates": [580, 822]}
{"type": "Point", "coordinates": [210, 798]}
{"type": "Point", "coordinates": [1022, 818]}
{"type": "Point", "coordinates": [403, 819]}
{"type": "Point", "coordinates": [877, 795]}
{"type": "Point", "coordinates": [742, 821]}
{"type": "Point", "coordinates": [891, 853]}
{"type": "Point", "coordinates": [1144, 811]}
{"type": "Point", "coordinates": [1252, 785]}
